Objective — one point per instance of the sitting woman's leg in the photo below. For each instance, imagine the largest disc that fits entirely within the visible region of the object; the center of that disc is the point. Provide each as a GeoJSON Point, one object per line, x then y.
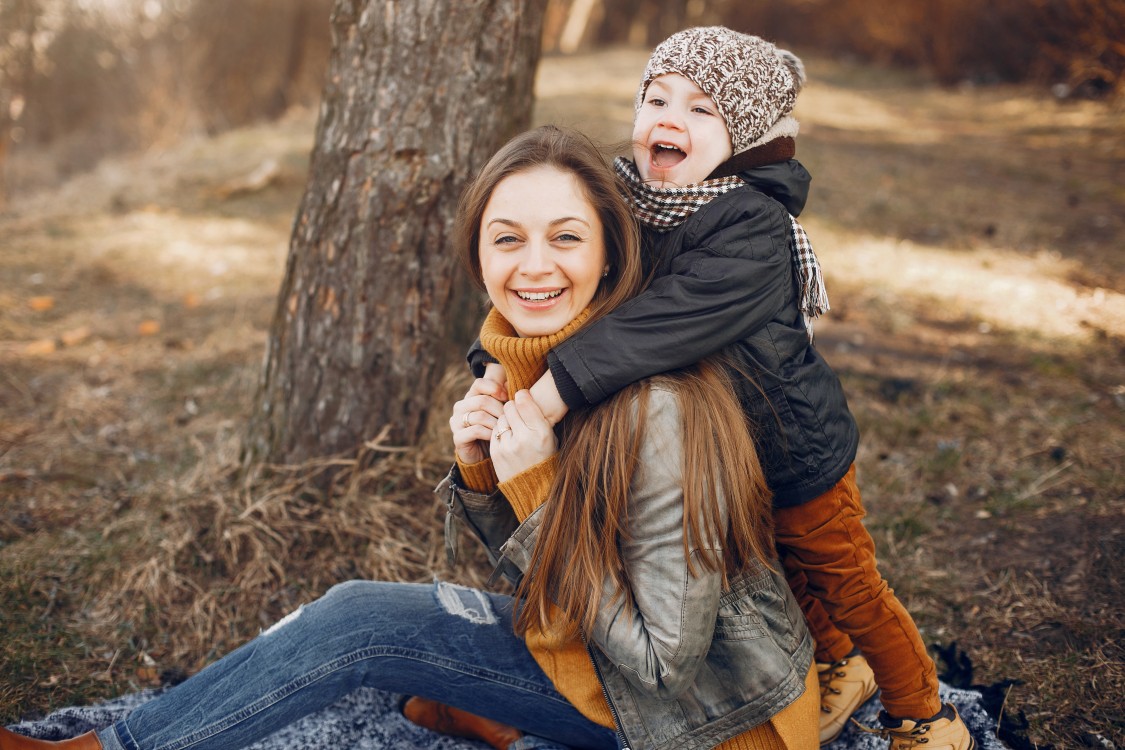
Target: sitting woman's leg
{"type": "Point", "coordinates": [449, 643]}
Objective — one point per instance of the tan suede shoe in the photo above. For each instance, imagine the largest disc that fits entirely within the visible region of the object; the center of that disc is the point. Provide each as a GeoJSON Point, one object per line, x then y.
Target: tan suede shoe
{"type": "Point", "coordinates": [943, 731]}
{"type": "Point", "coordinates": [844, 687]}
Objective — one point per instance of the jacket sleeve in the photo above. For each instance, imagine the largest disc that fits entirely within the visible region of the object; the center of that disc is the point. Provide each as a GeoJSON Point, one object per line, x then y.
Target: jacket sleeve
{"type": "Point", "coordinates": [477, 358]}
{"type": "Point", "coordinates": [486, 514]}
{"type": "Point", "coordinates": [659, 643]}
{"type": "Point", "coordinates": [494, 515]}
{"type": "Point", "coordinates": [734, 276]}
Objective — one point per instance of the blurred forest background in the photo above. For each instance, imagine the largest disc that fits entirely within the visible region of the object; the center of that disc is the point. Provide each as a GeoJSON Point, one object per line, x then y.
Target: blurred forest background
{"type": "Point", "coordinates": [968, 205]}
{"type": "Point", "coordinates": [80, 79]}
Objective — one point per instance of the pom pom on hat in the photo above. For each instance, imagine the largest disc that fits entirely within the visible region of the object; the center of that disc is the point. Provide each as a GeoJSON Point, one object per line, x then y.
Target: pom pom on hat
{"type": "Point", "coordinates": [752, 82]}
{"type": "Point", "coordinates": [796, 68]}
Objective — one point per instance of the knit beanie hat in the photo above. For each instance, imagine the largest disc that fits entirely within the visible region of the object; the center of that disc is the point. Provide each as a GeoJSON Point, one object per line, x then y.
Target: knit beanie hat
{"type": "Point", "coordinates": [753, 83]}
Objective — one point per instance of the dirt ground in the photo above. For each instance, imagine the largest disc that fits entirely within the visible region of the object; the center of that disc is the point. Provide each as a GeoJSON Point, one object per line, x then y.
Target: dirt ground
{"type": "Point", "coordinates": [973, 245]}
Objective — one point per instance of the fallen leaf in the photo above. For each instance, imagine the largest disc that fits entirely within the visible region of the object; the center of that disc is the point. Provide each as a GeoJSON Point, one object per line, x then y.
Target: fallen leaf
{"type": "Point", "coordinates": [40, 347]}
{"type": "Point", "coordinates": [191, 300]}
{"type": "Point", "coordinates": [41, 304]}
{"type": "Point", "coordinates": [267, 173]}
{"type": "Point", "coordinates": [149, 328]}
{"type": "Point", "coordinates": [76, 336]}
{"type": "Point", "coordinates": [148, 675]}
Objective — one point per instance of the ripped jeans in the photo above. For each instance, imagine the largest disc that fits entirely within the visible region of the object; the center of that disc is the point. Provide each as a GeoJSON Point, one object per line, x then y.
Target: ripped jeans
{"type": "Point", "coordinates": [449, 643]}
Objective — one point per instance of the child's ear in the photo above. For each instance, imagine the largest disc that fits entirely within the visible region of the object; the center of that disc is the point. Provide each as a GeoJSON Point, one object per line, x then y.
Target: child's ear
{"type": "Point", "coordinates": [796, 67]}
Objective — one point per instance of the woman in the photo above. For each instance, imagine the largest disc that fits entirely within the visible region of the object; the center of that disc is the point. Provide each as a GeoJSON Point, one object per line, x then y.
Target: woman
{"type": "Point", "coordinates": [648, 616]}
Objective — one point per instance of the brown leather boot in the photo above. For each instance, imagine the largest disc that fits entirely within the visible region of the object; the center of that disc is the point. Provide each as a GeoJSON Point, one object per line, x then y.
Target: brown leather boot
{"type": "Point", "coordinates": [438, 717]}
{"type": "Point", "coordinates": [13, 741]}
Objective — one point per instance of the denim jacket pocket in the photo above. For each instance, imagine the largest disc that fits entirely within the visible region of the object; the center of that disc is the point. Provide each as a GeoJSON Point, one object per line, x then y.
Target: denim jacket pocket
{"type": "Point", "coordinates": [763, 595]}
{"type": "Point", "coordinates": [740, 615]}
{"type": "Point", "coordinates": [739, 627]}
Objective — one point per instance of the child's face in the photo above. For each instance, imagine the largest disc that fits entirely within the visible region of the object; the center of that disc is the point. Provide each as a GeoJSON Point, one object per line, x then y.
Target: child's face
{"type": "Point", "coordinates": [679, 136]}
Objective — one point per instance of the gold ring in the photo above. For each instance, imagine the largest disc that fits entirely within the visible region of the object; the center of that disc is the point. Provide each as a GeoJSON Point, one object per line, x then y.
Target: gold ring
{"type": "Point", "coordinates": [499, 433]}
{"type": "Point", "coordinates": [465, 420]}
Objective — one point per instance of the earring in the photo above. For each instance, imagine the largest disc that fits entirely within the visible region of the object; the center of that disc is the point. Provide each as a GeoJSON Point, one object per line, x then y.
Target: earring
{"type": "Point", "coordinates": [605, 272]}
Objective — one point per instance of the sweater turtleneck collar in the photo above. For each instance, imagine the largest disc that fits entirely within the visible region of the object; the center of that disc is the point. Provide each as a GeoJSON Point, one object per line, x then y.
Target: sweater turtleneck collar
{"type": "Point", "coordinates": [524, 358]}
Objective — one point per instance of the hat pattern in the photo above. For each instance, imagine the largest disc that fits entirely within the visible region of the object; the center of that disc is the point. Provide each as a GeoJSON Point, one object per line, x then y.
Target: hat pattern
{"type": "Point", "coordinates": [752, 82]}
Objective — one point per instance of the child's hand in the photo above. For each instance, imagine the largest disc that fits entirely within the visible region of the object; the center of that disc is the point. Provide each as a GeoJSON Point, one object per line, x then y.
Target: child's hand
{"type": "Point", "coordinates": [495, 371]}
{"type": "Point", "coordinates": [547, 396]}
{"type": "Point", "coordinates": [523, 437]}
{"type": "Point", "coordinates": [474, 418]}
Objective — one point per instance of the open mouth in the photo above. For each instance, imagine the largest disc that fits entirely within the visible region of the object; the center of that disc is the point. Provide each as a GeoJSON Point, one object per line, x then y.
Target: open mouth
{"type": "Point", "coordinates": [538, 296]}
{"type": "Point", "coordinates": [665, 155]}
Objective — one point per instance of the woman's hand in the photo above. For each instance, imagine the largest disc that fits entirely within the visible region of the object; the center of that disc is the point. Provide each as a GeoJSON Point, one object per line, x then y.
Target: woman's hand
{"type": "Point", "coordinates": [474, 419]}
{"type": "Point", "coordinates": [523, 437]}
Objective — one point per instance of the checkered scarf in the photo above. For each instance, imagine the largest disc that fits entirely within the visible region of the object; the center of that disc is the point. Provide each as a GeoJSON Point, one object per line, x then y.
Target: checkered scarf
{"type": "Point", "coordinates": [665, 208]}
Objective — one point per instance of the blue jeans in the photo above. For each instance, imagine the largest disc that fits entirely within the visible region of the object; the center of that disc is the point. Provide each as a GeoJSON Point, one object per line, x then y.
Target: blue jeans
{"type": "Point", "coordinates": [449, 643]}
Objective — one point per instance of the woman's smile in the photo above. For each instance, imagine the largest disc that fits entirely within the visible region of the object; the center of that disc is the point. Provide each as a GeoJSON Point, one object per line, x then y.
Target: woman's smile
{"type": "Point", "coordinates": [538, 298]}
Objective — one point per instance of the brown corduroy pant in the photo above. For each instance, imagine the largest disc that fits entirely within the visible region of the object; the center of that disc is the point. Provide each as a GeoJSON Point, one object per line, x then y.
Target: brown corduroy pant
{"type": "Point", "coordinates": [829, 561]}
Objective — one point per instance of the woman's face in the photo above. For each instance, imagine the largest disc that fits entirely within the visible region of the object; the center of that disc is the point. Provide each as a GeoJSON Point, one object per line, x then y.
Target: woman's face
{"type": "Point", "coordinates": [542, 249]}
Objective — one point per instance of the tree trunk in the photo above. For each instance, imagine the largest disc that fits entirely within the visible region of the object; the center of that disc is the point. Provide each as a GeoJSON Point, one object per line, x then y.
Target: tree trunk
{"type": "Point", "coordinates": [18, 22]}
{"type": "Point", "coordinates": [418, 96]}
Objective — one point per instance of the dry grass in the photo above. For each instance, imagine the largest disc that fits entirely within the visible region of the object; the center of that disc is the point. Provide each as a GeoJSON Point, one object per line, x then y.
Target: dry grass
{"type": "Point", "coordinates": [972, 241]}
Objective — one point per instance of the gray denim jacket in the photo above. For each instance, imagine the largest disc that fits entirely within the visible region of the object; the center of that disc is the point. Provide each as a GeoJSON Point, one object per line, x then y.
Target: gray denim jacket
{"type": "Point", "coordinates": [691, 664]}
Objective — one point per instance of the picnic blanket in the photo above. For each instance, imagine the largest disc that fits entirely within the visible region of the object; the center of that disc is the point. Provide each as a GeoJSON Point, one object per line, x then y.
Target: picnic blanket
{"type": "Point", "coordinates": [368, 719]}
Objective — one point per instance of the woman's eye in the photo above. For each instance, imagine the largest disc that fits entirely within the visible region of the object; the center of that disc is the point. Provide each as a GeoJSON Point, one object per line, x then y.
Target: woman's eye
{"type": "Point", "coordinates": [505, 239]}
{"type": "Point", "coordinates": [568, 237]}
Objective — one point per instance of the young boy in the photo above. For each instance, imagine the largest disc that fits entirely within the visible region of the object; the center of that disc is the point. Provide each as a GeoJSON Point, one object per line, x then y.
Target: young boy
{"type": "Point", "coordinates": [716, 187]}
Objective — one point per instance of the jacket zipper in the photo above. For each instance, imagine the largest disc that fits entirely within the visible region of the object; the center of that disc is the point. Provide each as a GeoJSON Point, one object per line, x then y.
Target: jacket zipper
{"type": "Point", "coordinates": [621, 738]}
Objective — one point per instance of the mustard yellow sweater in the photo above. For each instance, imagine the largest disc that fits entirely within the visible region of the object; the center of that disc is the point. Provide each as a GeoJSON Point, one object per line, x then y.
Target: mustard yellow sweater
{"type": "Point", "coordinates": [567, 662]}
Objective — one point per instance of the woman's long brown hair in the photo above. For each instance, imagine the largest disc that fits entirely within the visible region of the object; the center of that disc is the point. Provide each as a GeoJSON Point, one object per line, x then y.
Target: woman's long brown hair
{"type": "Point", "coordinates": [586, 515]}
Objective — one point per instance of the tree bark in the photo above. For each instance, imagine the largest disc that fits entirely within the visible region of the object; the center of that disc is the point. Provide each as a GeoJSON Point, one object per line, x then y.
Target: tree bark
{"type": "Point", "coordinates": [418, 96]}
{"type": "Point", "coordinates": [18, 21]}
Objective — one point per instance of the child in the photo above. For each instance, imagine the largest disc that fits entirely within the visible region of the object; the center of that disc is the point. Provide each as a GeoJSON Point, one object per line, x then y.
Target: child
{"type": "Point", "coordinates": [715, 188]}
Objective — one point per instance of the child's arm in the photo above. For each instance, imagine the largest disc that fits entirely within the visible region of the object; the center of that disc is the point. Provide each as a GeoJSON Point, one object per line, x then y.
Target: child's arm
{"type": "Point", "coordinates": [547, 396]}
{"type": "Point", "coordinates": [735, 278]}
{"type": "Point", "coordinates": [544, 392]}
{"type": "Point", "coordinates": [479, 360]}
